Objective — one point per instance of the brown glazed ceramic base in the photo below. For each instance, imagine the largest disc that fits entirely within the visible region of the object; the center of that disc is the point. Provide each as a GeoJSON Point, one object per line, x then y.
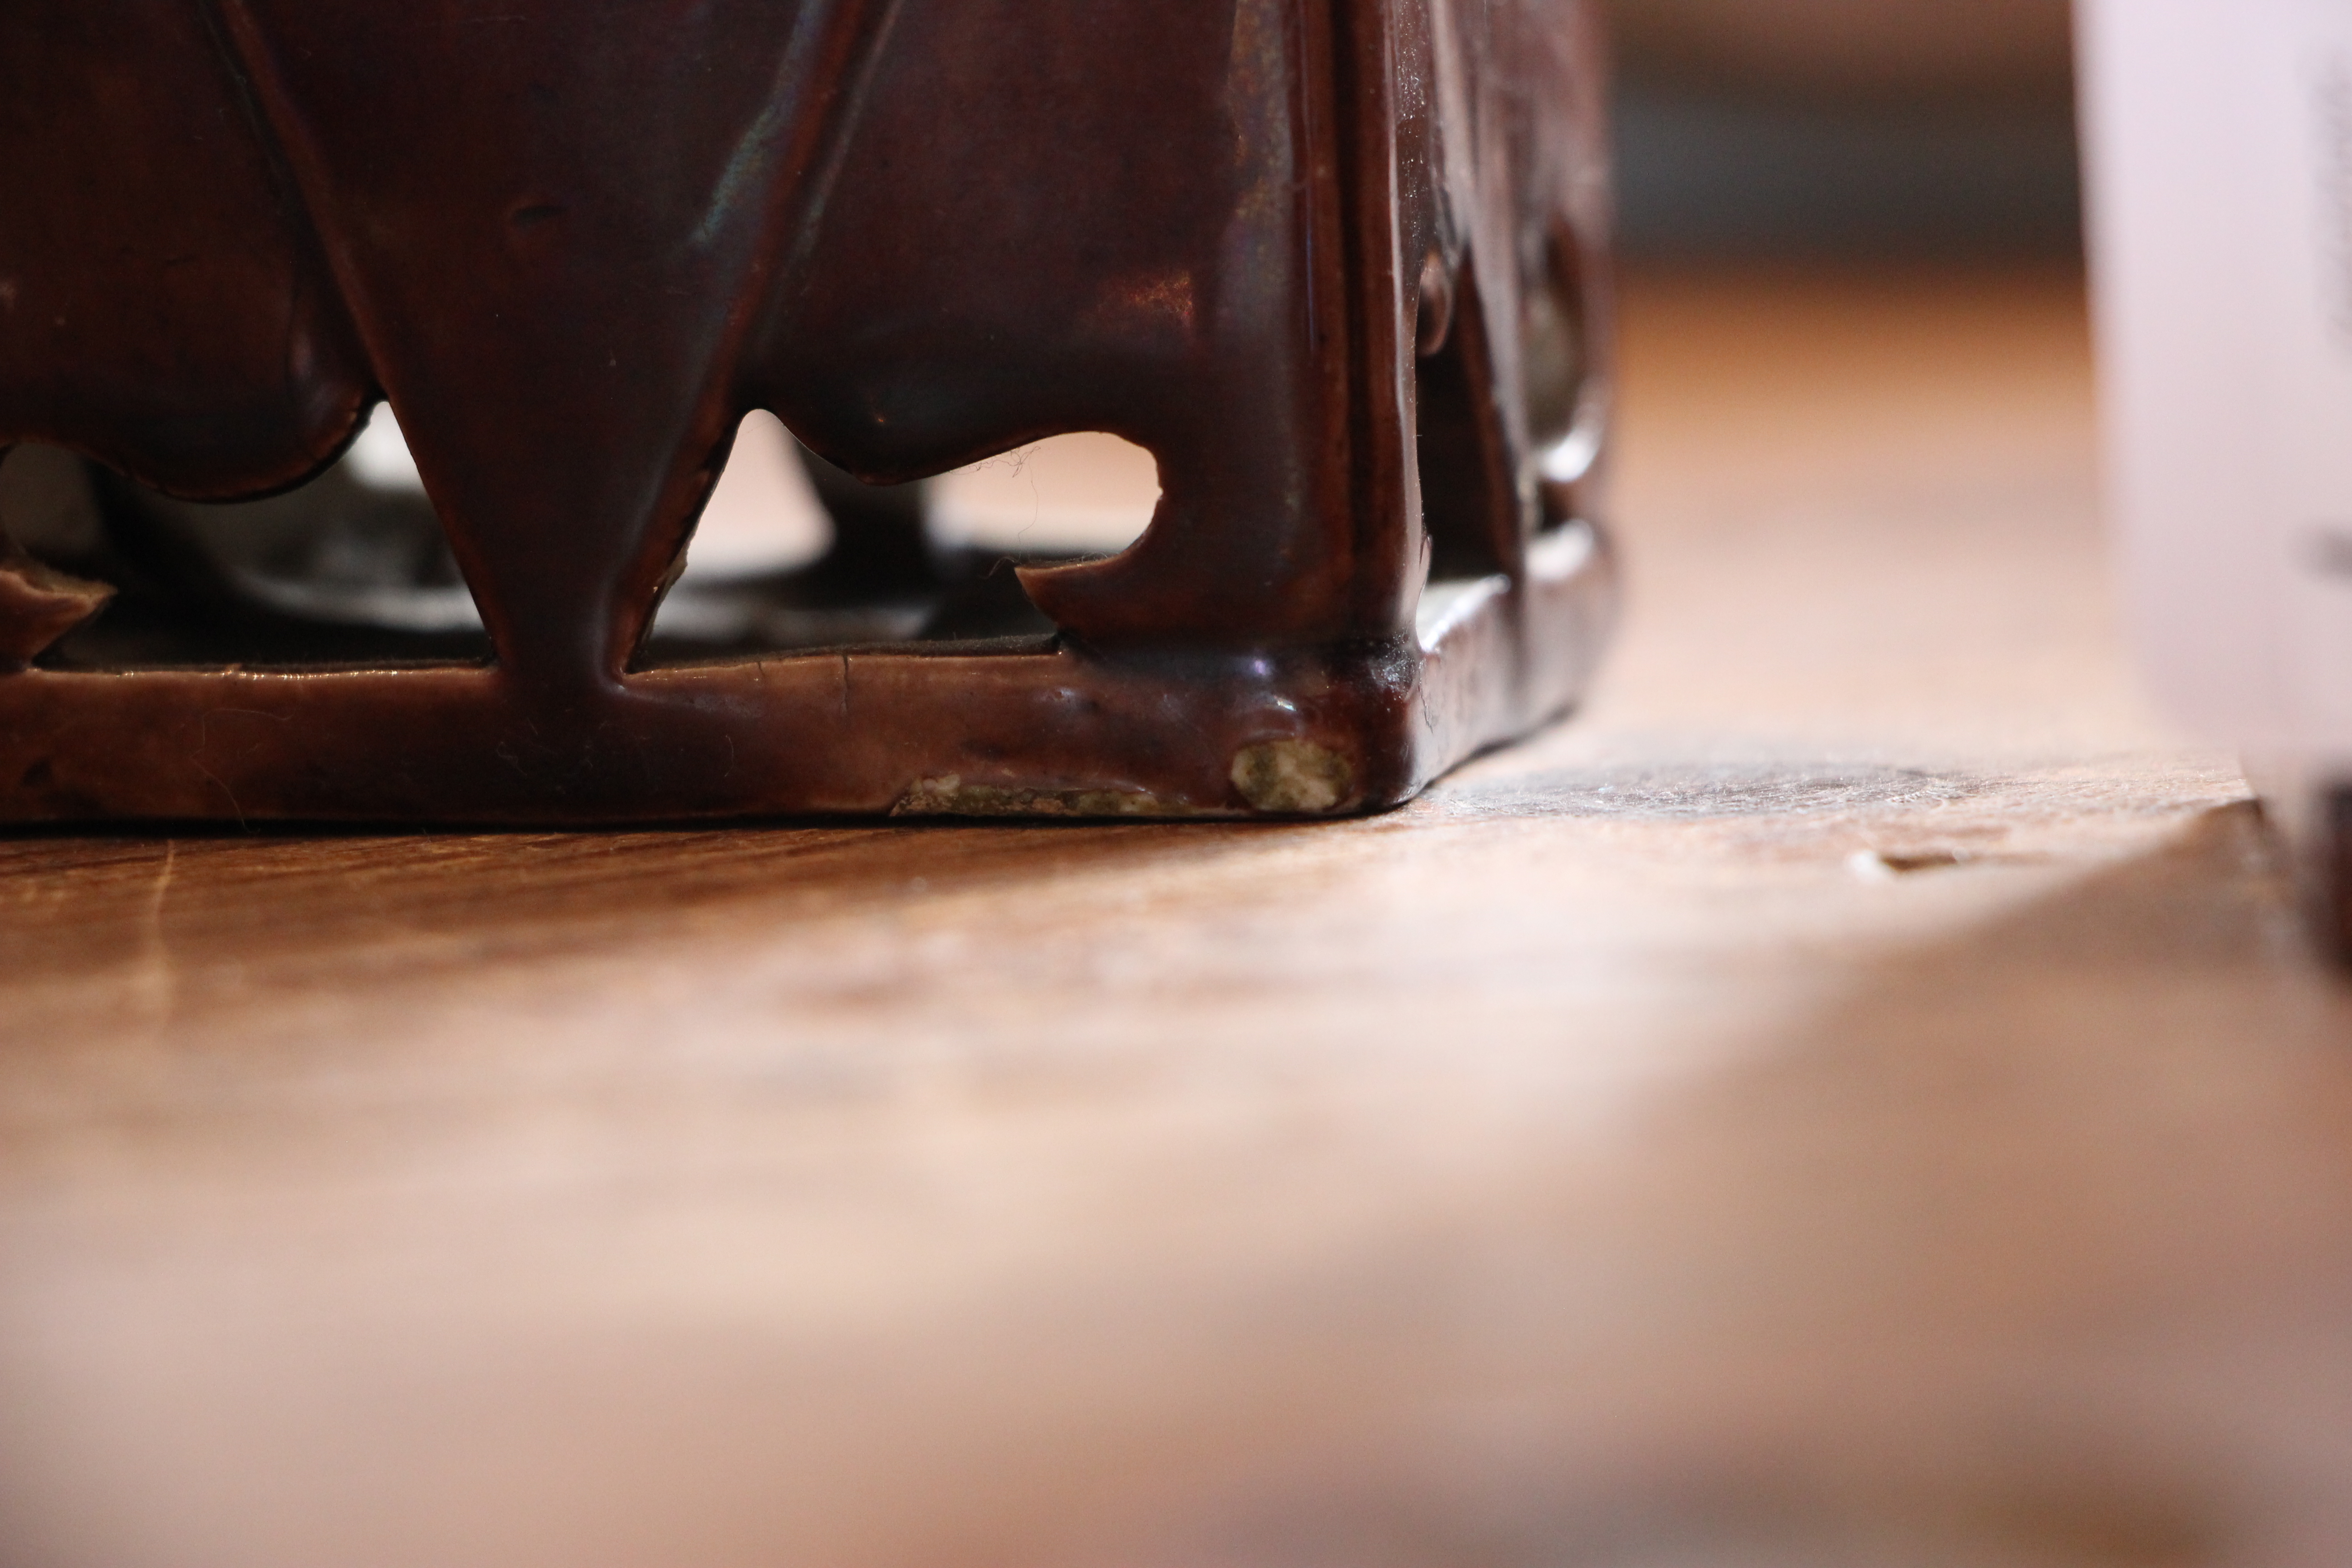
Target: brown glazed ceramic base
{"type": "Point", "coordinates": [978, 732]}
{"type": "Point", "coordinates": [1339, 265]}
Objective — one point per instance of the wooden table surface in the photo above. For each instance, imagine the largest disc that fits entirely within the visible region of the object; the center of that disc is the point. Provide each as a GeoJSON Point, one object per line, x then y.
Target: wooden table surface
{"type": "Point", "coordinates": [1856, 1095]}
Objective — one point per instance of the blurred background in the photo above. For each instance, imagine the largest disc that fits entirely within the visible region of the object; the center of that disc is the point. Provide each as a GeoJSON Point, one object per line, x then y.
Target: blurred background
{"type": "Point", "coordinates": [1801, 128]}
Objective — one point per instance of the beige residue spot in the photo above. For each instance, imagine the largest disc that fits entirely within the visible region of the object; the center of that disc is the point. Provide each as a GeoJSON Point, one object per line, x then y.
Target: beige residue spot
{"type": "Point", "coordinates": [1292, 777]}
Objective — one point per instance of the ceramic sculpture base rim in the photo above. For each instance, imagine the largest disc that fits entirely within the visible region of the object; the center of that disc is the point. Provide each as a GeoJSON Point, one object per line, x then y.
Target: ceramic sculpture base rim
{"type": "Point", "coordinates": [1050, 732]}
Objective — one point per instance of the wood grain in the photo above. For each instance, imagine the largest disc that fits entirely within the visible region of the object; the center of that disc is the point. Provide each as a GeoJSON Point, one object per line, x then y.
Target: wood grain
{"type": "Point", "coordinates": [1856, 1097]}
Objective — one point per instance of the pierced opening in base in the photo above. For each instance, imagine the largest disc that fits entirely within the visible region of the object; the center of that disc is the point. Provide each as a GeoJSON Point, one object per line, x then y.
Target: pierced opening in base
{"type": "Point", "coordinates": [352, 568]}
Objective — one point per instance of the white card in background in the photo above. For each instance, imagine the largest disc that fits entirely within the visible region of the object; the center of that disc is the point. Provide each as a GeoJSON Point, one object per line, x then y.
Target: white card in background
{"type": "Point", "coordinates": [2218, 138]}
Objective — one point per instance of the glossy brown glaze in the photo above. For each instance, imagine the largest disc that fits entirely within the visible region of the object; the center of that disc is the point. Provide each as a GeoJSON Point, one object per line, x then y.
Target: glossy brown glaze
{"type": "Point", "coordinates": [1338, 264]}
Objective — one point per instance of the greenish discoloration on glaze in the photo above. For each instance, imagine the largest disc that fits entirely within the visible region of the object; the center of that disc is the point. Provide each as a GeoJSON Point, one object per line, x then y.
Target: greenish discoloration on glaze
{"type": "Point", "coordinates": [951, 797]}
